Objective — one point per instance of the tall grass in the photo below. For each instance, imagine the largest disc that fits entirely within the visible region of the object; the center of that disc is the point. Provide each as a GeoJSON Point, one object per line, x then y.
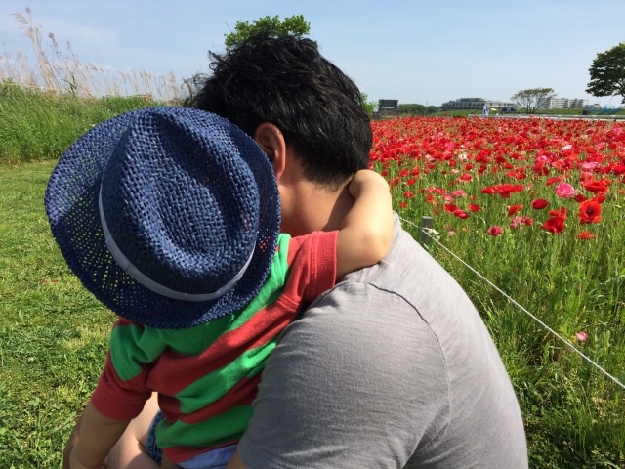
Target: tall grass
{"type": "Point", "coordinates": [59, 70]}
{"type": "Point", "coordinates": [35, 125]}
{"type": "Point", "coordinates": [46, 104]}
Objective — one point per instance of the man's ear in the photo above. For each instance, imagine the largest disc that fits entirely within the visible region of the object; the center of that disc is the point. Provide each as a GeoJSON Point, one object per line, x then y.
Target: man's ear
{"type": "Point", "coordinates": [271, 140]}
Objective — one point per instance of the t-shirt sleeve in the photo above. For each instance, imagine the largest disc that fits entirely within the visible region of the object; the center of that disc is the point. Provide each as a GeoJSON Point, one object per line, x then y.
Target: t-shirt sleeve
{"type": "Point", "coordinates": [121, 392]}
{"type": "Point", "coordinates": [312, 265]}
{"type": "Point", "coordinates": [358, 382]}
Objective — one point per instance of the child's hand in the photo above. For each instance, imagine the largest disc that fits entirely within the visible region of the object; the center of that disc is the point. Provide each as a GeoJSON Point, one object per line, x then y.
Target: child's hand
{"type": "Point", "coordinates": [366, 178]}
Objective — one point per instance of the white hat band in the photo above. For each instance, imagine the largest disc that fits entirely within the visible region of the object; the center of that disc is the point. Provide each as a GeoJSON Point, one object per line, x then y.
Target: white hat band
{"type": "Point", "coordinates": [154, 286]}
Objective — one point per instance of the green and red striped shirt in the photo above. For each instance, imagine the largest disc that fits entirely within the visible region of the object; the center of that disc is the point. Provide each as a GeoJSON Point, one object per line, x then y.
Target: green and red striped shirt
{"type": "Point", "coordinates": [206, 376]}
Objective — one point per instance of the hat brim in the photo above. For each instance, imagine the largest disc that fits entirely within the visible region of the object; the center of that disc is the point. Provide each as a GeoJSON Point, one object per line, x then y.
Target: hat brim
{"type": "Point", "coordinates": [72, 206]}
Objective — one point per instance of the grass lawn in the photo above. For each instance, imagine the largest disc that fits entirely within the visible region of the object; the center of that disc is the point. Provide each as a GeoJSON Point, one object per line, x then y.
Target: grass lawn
{"type": "Point", "coordinates": [53, 333]}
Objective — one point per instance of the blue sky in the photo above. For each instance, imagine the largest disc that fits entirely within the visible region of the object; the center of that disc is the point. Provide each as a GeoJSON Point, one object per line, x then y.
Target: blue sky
{"type": "Point", "coordinates": [427, 51]}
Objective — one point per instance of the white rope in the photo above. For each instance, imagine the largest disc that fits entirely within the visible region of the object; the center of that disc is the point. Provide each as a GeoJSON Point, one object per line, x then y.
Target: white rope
{"type": "Point", "coordinates": [428, 231]}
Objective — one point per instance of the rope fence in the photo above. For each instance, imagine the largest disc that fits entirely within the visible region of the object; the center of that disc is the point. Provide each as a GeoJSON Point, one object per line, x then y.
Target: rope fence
{"type": "Point", "coordinates": [425, 236]}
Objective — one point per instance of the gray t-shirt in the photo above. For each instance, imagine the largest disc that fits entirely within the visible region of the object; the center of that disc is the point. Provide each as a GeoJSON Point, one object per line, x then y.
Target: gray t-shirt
{"type": "Point", "coordinates": [391, 368]}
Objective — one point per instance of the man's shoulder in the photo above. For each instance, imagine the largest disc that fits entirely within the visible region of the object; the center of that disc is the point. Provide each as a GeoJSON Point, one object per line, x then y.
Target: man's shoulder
{"type": "Point", "coordinates": [409, 271]}
{"type": "Point", "coordinates": [412, 311]}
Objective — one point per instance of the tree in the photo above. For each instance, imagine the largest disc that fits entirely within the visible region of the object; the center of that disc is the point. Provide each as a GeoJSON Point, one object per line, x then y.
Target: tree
{"type": "Point", "coordinates": [294, 25]}
{"type": "Point", "coordinates": [607, 73]}
{"type": "Point", "coordinates": [370, 106]}
{"type": "Point", "coordinates": [532, 98]}
{"type": "Point", "coordinates": [415, 109]}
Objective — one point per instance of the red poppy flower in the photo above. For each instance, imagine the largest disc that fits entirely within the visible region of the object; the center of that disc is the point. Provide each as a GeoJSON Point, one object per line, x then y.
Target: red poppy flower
{"type": "Point", "coordinates": [451, 208]}
{"type": "Point", "coordinates": [554, 225]}
{"type": "Point", "coordinates": [580, 198]}
{"type": "Point", "coordinates": [600, 198]}
{"type": "Point", "coordinates": [619, 169]}
{"type": "Point", "coordinates": [595, 186]}
{"type": "Point", "coordinates": [558, 213]}
{"type": "Point", "coordinates": [495, 230]}
{"type": "Point", "coordinates": [461, 214]}
{"type": "Point", "coordinates": [474, 207]}
{"type": "Point", "coordinates": [465, 178]}
{"type": "Point", "coordinates": [503, 190]}
{"type": "Point", "coordinates": [514, 209]}
{"type": "Point", "coordinates": [539, 204]}
{"type": "Point", "coordinates": [408, 195]}
{"type": "Point", "coordinates": [551, 181]}
{"type": "Point", "coordinates": [589, 212]}
{"type": "Point", "coordinates": [527, 221]}
{"type": "Point", "coordinates": [585, 235]}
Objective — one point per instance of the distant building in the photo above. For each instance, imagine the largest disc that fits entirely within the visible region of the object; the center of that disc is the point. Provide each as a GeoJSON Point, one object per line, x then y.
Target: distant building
{"type": "Point", "coordinates": [473, 103]}
{"type": "Point", "coordinates": [578, 103]}
{"type": "Point", "coordinates": [387, 106]}
{"type": "Point", "coordinates": [562, 103]}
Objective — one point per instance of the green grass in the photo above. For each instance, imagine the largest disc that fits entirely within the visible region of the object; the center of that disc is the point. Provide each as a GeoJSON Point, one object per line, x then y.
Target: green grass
{"type": "Point", "coordinates": [53, 333]}
{"type": "Point", "coordinates": [574, 415]}
{"type": "Point", "coordinates": [38, 126]}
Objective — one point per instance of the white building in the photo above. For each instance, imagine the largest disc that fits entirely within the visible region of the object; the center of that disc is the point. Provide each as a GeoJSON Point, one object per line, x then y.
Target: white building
{"type": "Point", "coordinates": [562, 103]}
{"type": "Point", "coordinates": [473, 103]}
{"type": "Point", "coordinates": [578, 103]}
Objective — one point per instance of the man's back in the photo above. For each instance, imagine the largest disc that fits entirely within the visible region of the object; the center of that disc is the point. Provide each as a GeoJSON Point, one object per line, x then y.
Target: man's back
{"type": "Point", "coordinates": [393, 367]}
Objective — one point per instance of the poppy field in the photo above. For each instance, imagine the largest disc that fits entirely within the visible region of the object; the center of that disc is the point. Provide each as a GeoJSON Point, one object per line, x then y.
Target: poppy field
{"type": "Point", "coordinates": [537, 207]}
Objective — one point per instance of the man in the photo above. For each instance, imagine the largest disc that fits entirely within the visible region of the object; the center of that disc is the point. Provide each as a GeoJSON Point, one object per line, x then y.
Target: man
{"type": "Point", "coordinates": [391, 368]}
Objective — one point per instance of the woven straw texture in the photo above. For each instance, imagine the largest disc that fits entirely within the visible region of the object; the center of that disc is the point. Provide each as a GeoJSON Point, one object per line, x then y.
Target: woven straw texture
{"type": "Point", "coordinates": [186, 196]}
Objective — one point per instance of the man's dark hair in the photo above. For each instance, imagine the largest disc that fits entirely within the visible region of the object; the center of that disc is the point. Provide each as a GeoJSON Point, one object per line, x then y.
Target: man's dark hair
{"type": "Point", "coordinates": [285, 81]}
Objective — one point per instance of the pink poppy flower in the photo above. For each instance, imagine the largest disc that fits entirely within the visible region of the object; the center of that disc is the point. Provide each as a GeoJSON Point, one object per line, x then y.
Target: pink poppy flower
{"type": "Point", "coordinates": [581, 336]}
{"type": "Point", "coordinates": [565, 190]}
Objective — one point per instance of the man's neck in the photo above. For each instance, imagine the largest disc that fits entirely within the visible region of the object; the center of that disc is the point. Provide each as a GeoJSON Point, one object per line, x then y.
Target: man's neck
{"type": "Point", "coordinates": [316, 209]}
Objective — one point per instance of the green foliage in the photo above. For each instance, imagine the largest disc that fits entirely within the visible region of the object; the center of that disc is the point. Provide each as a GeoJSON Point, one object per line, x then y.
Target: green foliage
{"type": "Point", "coordinates": [531, 98]}
{"type": "Point", "coordinates": [37, 126]}
{"type": "Point", "coordinates": [607, 73]}
{"type": "Point", "coordinates": [370, 106]}
{"type": "Point", "coordinates": [416, 109]}
{"type": "Point", "coordinates": [294, 25]}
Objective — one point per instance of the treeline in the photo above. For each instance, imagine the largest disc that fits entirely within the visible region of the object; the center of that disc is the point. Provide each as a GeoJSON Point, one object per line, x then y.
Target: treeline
{"type": "Point", "coordinates": [416, 109]}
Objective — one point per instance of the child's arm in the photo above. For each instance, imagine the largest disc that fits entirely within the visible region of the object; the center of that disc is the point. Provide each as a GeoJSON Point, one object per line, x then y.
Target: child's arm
{"type": "Point", "coordinates": [97, 435]}
{"type": "Point", "coordinates": [367, 231]}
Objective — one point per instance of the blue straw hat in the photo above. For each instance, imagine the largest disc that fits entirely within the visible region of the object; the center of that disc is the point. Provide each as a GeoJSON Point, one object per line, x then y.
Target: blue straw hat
{"type": "Point", "coordinates": [169, 216]}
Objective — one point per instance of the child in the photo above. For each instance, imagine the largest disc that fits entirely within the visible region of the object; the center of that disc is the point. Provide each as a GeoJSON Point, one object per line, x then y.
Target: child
{"type": "Point", "coordinates": [170, 216]}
